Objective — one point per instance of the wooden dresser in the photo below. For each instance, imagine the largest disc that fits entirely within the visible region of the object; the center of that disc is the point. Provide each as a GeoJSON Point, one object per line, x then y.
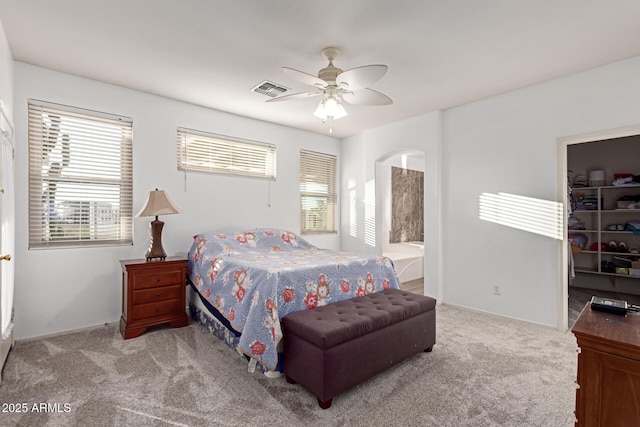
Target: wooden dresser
{"type": "Point", "coordinates": [608, 391]}
{"type": "Point", "coordinates": [153, 292]}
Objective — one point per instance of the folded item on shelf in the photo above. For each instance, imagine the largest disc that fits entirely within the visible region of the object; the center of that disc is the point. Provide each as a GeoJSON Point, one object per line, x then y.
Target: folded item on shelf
{"type": "Point", "coordinates": [623, 181]}
{"type": "Point", "coordinates": [580, 181]}
{"type": "Point", "coordinates": [633, 226]}
{"type": "Point", "coordinates": [574, 223]}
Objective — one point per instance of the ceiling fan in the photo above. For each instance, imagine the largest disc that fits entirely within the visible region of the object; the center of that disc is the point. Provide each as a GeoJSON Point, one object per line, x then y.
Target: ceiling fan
{"type": "Point", "coordinates": [336, 86]}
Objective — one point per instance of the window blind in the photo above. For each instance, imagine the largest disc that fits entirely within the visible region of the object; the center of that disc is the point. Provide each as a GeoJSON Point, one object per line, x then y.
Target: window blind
{"type": "Point", "coordinates": [317, 192]}
{"type": "Point", "coordinates": [80, 177]}
{"type": "Point", "coordinates": [206, 152]}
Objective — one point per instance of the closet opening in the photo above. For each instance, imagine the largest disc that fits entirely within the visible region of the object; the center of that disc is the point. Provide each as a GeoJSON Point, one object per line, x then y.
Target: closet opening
{"type": "Point", "coordinates": [601, 253]}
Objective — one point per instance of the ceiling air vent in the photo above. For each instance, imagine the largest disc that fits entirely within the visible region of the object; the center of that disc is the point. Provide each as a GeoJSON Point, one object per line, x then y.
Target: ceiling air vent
{"type": "Point", "coordinates": [270, 89]}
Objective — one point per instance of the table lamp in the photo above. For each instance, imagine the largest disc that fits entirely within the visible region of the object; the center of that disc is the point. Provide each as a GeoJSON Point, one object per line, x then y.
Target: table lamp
{"type": "Point", "coordinates": [158, 203]}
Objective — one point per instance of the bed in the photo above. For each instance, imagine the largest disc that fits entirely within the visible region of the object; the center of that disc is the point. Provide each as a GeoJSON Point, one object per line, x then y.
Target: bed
{"type": "Point", "coordinates": [248, 281]}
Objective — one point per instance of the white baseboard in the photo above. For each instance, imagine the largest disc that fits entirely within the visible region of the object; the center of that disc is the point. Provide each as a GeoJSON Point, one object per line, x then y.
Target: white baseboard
{"type": "Point", "coordinates": [69, 331]}
{"type": "Point", "coordinates": [497, 315]}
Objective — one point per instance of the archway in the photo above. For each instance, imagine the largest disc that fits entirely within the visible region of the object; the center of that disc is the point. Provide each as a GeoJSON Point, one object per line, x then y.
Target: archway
{"type": "Point", "coordinates": [399, 211]}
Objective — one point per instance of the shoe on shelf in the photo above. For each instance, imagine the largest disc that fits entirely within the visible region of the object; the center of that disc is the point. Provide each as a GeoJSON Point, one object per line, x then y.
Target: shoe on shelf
{"type": "Point", "coordinates": [612, 227]}
{"type": "Point", "coordinates": [619, 227]}
{"type": "Point", "coordinates": [612, 246]}
{"type": "Point", "coordinates": [633, 250]}
{"type": "Point", "coordinates": [622, 247]}
{"type": "Point", "coordinates": [607, 267]}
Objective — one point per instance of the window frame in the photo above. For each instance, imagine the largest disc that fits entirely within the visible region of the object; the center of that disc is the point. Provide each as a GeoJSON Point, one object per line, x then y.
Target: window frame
{"type": "Point", "coordinates": [235, 155]}
{"type": "Point", "coordinates": [313, 162]}
{"type": "Point", "coordinates": [110, 214]}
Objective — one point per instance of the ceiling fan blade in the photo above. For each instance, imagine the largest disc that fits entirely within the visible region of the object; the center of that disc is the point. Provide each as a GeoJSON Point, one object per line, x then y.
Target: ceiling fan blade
{"type": "Point", "coordinates": [294, 96]}
{"type": "Point", "coordinates": [304, 77]}
{"type": "Point", "coordinates": [366, 97]}
{"type": "Point", "coordinates": [362, 77]}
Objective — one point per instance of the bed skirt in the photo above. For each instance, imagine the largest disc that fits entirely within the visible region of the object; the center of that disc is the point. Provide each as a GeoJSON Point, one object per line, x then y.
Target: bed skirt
{"type": "Point", "coordinates": [201, 312]}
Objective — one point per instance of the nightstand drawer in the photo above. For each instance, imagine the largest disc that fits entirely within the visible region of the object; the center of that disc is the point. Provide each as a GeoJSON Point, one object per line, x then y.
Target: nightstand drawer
{"type": "Point", "coordinates": [161, 308]}
{"type": "Point", "coordinates": [157, 294]}
{"type": "Point", "coordinates": [157, 279]}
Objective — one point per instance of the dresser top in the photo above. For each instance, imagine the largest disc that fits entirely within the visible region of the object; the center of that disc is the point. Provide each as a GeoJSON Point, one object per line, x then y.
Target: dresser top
{"type": "Point", "coordinates": [606, 327]}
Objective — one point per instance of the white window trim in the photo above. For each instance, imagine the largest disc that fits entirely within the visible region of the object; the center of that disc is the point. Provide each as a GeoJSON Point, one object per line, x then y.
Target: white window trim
{"type": "Point", "coordinates": [309, 165]}
{"type": "Point", "coordinates": [243, 154]}
{"type": "Point", "coordinates": [117, 226]}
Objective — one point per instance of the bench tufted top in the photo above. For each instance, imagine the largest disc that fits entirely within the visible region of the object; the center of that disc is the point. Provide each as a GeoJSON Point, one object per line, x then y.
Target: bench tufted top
{"type": "Point", "coordinates": [333, 324]}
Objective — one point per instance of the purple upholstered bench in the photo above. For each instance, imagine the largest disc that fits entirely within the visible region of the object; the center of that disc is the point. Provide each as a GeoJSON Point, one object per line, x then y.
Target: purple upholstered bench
{"type": "Point", "coordinates": [332, 348]}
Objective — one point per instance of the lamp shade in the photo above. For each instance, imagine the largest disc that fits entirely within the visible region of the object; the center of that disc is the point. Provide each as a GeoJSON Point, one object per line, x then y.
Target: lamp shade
{"type": "Point", "coordinates": [158, 203]}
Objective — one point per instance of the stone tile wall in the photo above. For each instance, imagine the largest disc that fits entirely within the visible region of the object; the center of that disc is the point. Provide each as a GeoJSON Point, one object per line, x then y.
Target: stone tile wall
{"type": "Point", "coordinates": [407, 205]}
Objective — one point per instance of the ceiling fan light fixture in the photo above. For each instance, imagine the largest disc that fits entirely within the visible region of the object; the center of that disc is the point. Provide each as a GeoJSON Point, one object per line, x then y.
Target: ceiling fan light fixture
{"type": "Point", "coordinates": [330, 106]}
{"type": "Point", "coordinates": [319, 113]}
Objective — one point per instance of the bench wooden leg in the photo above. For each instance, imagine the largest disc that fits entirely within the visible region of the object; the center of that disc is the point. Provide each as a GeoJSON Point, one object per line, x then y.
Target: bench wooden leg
{"type": "Point", "coordinates": [326, 404]}
{"type": "Point", "coordinates": [289, 380]}
{"type": "Point", "coordinates": [428, 350]}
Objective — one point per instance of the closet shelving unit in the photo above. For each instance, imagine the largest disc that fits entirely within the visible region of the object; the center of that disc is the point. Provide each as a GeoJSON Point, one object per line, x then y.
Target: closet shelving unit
{"type": "Point", "coordinates": [596, 222]}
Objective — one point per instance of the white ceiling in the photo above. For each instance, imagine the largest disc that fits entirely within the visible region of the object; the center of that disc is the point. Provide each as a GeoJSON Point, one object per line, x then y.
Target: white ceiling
{"type": "Point", "coordinates": [212, 52]}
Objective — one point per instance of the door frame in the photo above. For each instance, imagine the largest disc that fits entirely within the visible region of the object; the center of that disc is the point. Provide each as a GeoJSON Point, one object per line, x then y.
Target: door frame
{"type": "Point", "coordinates": [563, 256]}
{"type": "Point", "coordinates": [7, 342]}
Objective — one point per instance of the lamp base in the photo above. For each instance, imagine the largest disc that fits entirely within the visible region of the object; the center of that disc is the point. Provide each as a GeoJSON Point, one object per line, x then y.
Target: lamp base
{"type": "Point", "coordinates": [155, 246]}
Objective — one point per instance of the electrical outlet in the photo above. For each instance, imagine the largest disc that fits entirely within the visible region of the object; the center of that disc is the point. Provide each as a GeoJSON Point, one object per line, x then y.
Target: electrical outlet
{"type": "Point", "coordinates": [496, 290]}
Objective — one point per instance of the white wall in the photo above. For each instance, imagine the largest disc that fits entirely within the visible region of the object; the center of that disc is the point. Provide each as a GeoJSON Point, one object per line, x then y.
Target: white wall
{"type": "Point", "coordinates": [360, 154]}
{"type": "Point", "coordinates": [509, 143]}
{"type": "Point", "coordinates": [65, 289]}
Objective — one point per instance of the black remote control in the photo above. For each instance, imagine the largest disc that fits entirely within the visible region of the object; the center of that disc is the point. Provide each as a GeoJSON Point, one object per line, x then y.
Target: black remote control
{"type": "Point", "coordinates": [614, 306]}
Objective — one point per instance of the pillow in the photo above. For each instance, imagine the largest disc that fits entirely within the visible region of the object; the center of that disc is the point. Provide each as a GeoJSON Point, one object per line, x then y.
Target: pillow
{"type": "Point", "coordinates": [256, 240]}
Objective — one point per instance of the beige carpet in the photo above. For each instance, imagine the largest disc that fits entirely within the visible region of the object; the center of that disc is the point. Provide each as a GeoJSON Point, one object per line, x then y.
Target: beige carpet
{"type": "Point", "coordinates": [484, 371]}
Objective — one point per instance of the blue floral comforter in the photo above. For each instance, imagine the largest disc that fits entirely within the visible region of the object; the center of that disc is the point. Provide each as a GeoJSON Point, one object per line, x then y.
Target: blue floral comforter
{"type": "Point", "coordinates": [254, 278]}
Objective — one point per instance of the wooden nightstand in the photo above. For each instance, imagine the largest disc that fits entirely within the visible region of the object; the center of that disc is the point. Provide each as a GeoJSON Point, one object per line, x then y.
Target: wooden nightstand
{"type": "Point", "coordinates": [153, 292]}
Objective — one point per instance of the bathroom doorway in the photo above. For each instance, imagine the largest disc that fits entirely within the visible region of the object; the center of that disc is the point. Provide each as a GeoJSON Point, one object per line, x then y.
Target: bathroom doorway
{"type": "Point", "coordinates": [400, 215]}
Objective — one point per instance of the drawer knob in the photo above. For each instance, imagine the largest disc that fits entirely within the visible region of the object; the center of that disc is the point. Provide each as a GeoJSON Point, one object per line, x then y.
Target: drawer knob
{"type": "Point", "coordinates": [158, 294]}
{"type": "Point", "coordinates": [158, 279]}
{"type": "Point", "coordinates": [157, 308]}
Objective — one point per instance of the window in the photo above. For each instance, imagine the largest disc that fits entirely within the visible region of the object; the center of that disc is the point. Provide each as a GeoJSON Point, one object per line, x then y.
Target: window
{"type": "Point", "coordinates": [206, 152]}
{"type": "Point", "coordinates": [80, 177]}
{"type": "Point", "coordinates": [317, 192]}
